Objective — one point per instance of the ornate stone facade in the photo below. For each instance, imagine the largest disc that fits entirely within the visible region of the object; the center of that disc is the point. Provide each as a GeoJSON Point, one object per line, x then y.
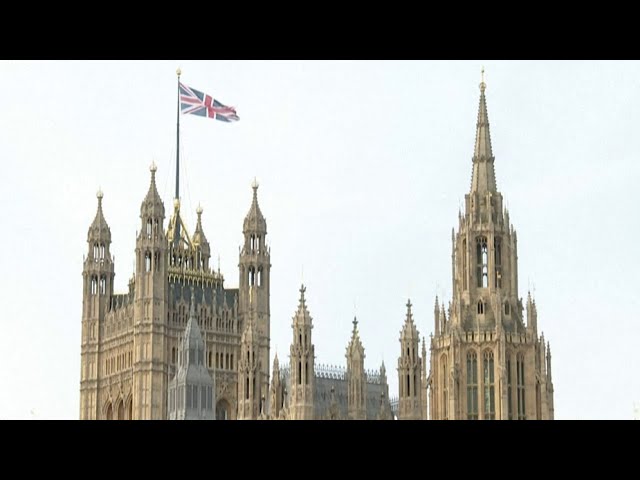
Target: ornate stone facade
{"type": "Point", "coordinates": [485, 362]}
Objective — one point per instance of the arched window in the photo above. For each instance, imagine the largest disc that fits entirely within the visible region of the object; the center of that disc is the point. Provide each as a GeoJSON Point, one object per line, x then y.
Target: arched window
{"type": "Point", "coordinates": [480, 307]}
{"type": "Point", "coordinates": [103, 285]}
{"type": "Point", "coordinates": [260, 276]}
{"type": "Point", "coordinates": [246, 394]}
{"type": "Point", "coordinates": [120, 410]}
{"type": "Point", "coordinates": [443, 386]}
{"type": "Point", "coordinates": [472, 385]}
{"type": "Point", "coordinates": [94, 285]}
{"type": "Point", "coordinates": [520, 387]}
{"type": "Point", "coordinates": [482, 262]}
{"type": "Point", "coordinates": [509, 391]}
{"type": "Point", "coordinates": [507, 308]}
{"type": "Point", "coordinates": [95, 251]}
{"type": "Point", "coordinates": [489, 390]}
{"type": "Point", "coordinates": [497, 242]}
{"type": "Point", "coordinates": [149, 227]}
{"type": "Point", "coordinates": [306, 373]}
{"type": "Point", "coordinates": [464, 264]}
{"type": "Point", "coordinates": [147, 262]}
{"type": "Point", "coordinates": [299, 373]}
{"type": "Point", "coordinates": [109, 412]}
{"type": "Point", "coordinates": [231, 362]}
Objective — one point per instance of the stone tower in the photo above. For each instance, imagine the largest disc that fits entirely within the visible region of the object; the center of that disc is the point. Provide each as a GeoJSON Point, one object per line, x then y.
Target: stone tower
{"type": "Point", "coordinates": [356, 377]}
{"type": "Point", "coordinates": [192, 390]}
{"type": "Point", "coordinates": [255, 267]}
{"type": "Point", "coordinates": [302, 364]}
{"type": "Point", "coordinates": [485, 362]}
{"type": "Point", "coordinates": [150, 370]}
{"type": "Point", "coordinates": [409, 371]}
{"type": "Point", "coordinates": [250, 397]}
{"type": "Point", "coordinates": [98, 273]}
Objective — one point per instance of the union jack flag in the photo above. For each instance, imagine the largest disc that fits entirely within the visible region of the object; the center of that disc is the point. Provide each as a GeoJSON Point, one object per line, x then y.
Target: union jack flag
{"type": "Point", "coordinates": [197, 103]}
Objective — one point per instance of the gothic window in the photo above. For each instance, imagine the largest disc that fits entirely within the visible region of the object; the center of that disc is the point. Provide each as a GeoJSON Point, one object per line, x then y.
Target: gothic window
{"type": "Point", "coordinates": [507, 308]}
{"type": "Point", "coordinates": [480, 307]}
{"type": "Point", "coordinates": [464, 264]}
{"type": "Point", "coordinates": [299, 373]}
{"type": "Point", "coordinates": [408, 390]}
{"type": "Point", "coordinates": [489, 389]}
{"type": "Point", "coordinates": [94, 285]}
{"type": "Point", "coordinates": [520, 386]}
{"type": "Point", "coordinates": [443, 361]}
{"type": "Point", "coordinates": [147, 262]}
{"type": "Point", "coordinates": [482, 262]}
{"type": "Point", "coordinates": [498, 246]}
{"type": "Point", "coordinates": [226, 357]}
{"type": "Point", "coordinates": [109, 412]}
{"type": "Point", "coordinates": [95, 250]}
{"type": "Point", "coordinates": [149, 226]}
{"type": "Point", "coordinates": [306, 373]}
{"type": "Point", "coordinates": [209, 360]}
{"type": "Point", "coordinates": [156, 260]}
{"type": "Point", "coordinates": [231, 362]}
{"type": "Point", "coordinates": [203, 397]}
{"type": "Point", "coordinates": [472, 386]}
{"type": "Point", "coordinates": [102, 250]}
{"type": "Point", "coordinates": [120, 411]}
{"type": "Point", "coordinates": [103, 285]}
{"type": "Point", "coordinates": [259, 276]}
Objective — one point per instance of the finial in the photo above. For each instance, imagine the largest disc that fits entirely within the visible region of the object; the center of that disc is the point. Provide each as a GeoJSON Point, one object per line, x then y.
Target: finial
{"type": "Point", "coordinates": [482, 84]}
{"type": "Point", "coordinates": [153, 168]}
{"type": "Point", "coordinates": [409, 305]}
{"type": "Point", "coordinates": [176, 203]}
{"type": "Point", "coordinates": [99, 195]}
{"type": "Point", "coordinates": [218, 263]}
{"type": "Point", "coordinates": [255, 184]}
{"type": "Point", "coordinates": [178, 72]}
{"type": "Point", "coordinates": [355, 323]}
{"type": "Point", "coordinates": [199, 209]}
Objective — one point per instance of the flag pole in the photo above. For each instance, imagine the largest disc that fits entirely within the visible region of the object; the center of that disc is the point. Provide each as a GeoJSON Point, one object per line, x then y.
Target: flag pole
{"type": "Point", "coordinates": [178, 72]}
{"type": "Point", "coordinates": [177, 199]}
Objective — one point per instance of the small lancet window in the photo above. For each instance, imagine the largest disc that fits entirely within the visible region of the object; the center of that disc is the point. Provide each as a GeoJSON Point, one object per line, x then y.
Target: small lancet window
{"type": "Point", "coordinates": [480, 307]}
{"type": "Point", "coordinates": [507, 308]}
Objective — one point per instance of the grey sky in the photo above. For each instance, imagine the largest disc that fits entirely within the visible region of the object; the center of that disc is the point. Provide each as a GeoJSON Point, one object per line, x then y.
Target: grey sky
{"type": "Point", "coordinates": [362, 167]}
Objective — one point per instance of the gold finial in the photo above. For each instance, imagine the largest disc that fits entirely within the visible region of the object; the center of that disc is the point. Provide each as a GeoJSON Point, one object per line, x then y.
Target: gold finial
{"type": "Point", "coordinates": [255, 183]}
{"type": "Point", "coordinates": [199, 209]}
{"type": "Point", "coordinates": [178, 72]}
{"type": "Point", "coordinates": [482, 84]}
{"type": "Point", "coordinates": [153, 167]}
{"type": "Point", "coordinates": [99, 194]}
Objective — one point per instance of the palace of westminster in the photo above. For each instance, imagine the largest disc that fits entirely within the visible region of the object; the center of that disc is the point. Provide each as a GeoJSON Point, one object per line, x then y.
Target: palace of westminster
{"type": "Point", "coordinates": [181, 345]}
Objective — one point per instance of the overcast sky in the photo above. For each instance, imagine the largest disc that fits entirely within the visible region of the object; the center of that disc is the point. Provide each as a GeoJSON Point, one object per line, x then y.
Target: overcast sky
{"type": "Point", "coordinates": [362, 168]}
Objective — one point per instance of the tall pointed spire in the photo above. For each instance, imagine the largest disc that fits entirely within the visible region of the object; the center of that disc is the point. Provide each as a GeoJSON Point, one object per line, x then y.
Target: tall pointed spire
{"type": "Point", "coordinates": [484, 177]}
{"type": "Point", "coordinates": [99, 229]}
{"type": "Point", "coordinates": [255, 221]}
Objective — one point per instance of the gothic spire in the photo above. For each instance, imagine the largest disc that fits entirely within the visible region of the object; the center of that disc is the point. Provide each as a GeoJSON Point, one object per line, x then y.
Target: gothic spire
{"type": "Point", "coordinates": [152, 205]}
{"type": "Point", "coordinates": [409, 328]}
{"type": "Point", "coordinates": [99, 229]}
{"type": "Point", "coordinates": [255, 221]}
{"type": "Point", "coordinates": [484, 177]}
{"type": "Point", "coordinates": [199, 237]}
